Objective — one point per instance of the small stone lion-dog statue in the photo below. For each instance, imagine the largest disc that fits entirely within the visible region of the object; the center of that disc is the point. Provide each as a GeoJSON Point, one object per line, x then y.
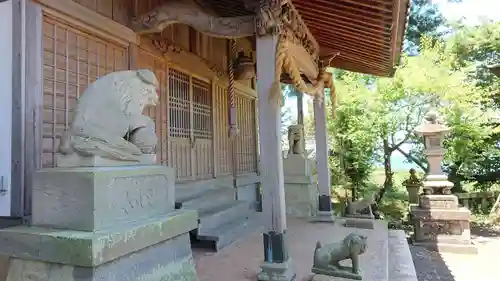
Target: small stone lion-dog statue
{"type": "Point", "coordinates": [359, 208]}
{"type": "Point", "coordinates": [327, 257]}
{"type": "Point", "coordinates": [295, 140]}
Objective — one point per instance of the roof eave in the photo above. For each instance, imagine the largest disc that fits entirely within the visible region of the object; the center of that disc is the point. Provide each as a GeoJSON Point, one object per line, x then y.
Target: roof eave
{"type": "Point", "coordinates": [403, 9]}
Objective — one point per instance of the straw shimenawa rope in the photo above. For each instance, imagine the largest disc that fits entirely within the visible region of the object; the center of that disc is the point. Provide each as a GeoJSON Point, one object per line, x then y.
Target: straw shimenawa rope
{"type": "Point", "coordinates": [286, 64]}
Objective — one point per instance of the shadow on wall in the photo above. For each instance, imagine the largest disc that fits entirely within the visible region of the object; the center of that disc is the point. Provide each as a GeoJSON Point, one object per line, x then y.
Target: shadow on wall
{"type": "Point", "coordinates": [430, 265]}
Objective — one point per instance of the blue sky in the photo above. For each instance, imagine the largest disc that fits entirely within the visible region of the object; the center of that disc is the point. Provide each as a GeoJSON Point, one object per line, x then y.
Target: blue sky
{"type": "Point", "coordinates": [470, 10]}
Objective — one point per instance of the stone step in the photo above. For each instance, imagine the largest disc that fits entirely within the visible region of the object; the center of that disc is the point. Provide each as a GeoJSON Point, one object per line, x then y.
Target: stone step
{"type": "Point", "coordinates": [186, 190]}
{"type": "Point", "coordinates": [221, 214]}
{"type": "Point", "coordinates": [232, 231]}
{"type": "Point", "coordinates": [401, 267]}
{"type": "Point", "coordinates": [207, 199]}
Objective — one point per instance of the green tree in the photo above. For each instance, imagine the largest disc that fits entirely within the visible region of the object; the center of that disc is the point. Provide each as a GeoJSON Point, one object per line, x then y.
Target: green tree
{"type": "Point", "coordinates": [472, 49]}
{"type": "Point", "coordinates": [381, 115]}
{"type": "Point", "coordinates": [353, 133]}
{"type": "Point", "coordinates": [426, 81]}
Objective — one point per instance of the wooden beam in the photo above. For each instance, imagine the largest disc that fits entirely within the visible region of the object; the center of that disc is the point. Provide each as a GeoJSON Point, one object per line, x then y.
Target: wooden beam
{"type": "Point", "coordinates": [398, 28]}
{"type": "Point", "coordinates": [78, 14]}
{"type": "Point", "coordinates": [189, 13]}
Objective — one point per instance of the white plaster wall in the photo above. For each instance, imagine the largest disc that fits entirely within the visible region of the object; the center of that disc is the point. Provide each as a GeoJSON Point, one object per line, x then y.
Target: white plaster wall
{"type": "Point", "coordinates": [5, 104]}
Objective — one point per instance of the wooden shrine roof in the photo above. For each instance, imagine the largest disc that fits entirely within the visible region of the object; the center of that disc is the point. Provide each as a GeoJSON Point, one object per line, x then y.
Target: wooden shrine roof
{"type": "Point", "coordinates": [367, 35]}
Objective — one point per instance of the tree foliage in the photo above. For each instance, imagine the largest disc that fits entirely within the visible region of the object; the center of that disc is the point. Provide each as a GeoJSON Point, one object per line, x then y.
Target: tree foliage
{"type": "Point", "coordinates": [378, 116]}
{"type": "Point", "coordinates": [353, 133]}
{"type": "Point", "coordinates": [472, 49]}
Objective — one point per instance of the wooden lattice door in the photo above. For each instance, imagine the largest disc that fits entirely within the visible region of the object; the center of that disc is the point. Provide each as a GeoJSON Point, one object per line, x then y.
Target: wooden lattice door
{"type": "Point", "coordinates": [180, 124]}
{"type": "Point", "coordinates": [191, 134]}
{"type": "Point", "coordinates": [202, 129]}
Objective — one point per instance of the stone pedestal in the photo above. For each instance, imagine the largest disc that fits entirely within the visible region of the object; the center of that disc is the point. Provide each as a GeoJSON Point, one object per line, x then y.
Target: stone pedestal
{"type": "Point", "coordinates": [301, 195]}
{"type": "Point", "coordinates": [413, 193]}
{"type": "Point", "coordinates": [441, 225]}
{"type": "Point", "coordinates": [102, 223]}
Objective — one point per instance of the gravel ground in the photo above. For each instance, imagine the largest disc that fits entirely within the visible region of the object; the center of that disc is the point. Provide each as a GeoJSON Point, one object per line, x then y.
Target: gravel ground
{"type": "Point", "coordinates": [429, 265]}
{"type": "Point", "coordinates": [433, 266]}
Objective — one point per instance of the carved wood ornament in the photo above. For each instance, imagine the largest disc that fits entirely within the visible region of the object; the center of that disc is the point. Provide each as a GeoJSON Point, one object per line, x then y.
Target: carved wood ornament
{"type": "Point", "coordinates": [279, 17]}
{"type": "Point", "coordinates": [189, 13]}
{"type": "Point", "coordinates": [272, 17]}
{"type": "Point", "coordinates": [167, 47]}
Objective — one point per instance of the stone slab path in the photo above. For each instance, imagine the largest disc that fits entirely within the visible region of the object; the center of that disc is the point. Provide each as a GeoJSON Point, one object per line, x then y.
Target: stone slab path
{"type": "Point", "coordinates": [241, 260]}
{"type": "Point", "coordinates": [434, 266]}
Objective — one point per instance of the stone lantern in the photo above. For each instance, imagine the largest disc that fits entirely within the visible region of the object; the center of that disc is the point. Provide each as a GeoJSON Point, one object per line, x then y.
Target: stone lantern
{"type": "Point", "coordinates": [440, 224]}
{"type": "Point", "coordinates": [434, 132]}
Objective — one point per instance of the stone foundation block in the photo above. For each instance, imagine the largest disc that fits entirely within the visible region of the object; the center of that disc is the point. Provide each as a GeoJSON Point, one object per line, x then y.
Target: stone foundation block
{"type": "Point", "coordinates": [154, 249]}
{"type": "Point", "coordinates": [438, 202]}
{"type": "Point", "coordinates": [277, 271]}
{"type": "Point", "coordinates": [170, 260]}
{"type": "Point", "coordinates": [301, 198]}
{"type": "Point", "coordinates": [322, 216]}
{"type": "Point", "coordinates": [97, 198]}
{"type": "Point", "coordinates": [445, 230]}
{"type": "Point", "coordinates": [297, 164]}
{"type": "Point", "coordinates": [89, 249]}
{"type": "Point", "coordinates": [301, 195]}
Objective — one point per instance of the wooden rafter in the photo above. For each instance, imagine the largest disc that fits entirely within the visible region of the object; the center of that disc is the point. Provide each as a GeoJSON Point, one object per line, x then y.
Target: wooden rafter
{"type": "Point", "coordinates": [367, 34]}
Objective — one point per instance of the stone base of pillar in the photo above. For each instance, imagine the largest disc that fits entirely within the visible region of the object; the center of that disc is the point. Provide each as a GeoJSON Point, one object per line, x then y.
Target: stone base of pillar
{"type": "Point", "coordinates": [325, 212]}
{"type": "Point", "coordinates": [365, 223]}
{"type": "Point", "coordinates": [102, 223]}
{"type": "Point", "coordinates": [277, 271]}
{"type": "Point", "coordinates": [277, 265]}
{"type": "Point", "coordinates": [324, 216]}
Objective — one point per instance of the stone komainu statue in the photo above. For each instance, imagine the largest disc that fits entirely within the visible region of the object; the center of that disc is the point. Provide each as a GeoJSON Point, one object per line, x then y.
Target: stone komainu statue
{"type": "Point", "coordinates": [327, 258]}
{"type": "Point", "coordinates": [295, 139]}
{"type": "Point", "coordinates": [108, 120]}
{"type": "Point", "coordinates": [362, 207]}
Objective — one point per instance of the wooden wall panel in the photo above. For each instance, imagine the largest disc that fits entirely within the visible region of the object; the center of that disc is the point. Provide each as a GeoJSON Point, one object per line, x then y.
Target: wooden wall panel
{"type": "Point", "coordinates": [72, 60]}
{"type": "Point", "coordinates": [245, 142]}
{"type": "Point", "coordinates": [118, 10]}
{"type": "Point", "coordinates": [159, 113]}
{"type": "Point", "coordinates": [221, 131]}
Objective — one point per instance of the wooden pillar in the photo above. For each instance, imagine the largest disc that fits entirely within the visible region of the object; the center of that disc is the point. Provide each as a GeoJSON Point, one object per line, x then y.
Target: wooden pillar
{"type": "Point", "coordinates": [276, 265]}
{"type": "Point", "coordinates": [11, 52]}
{"type": "Point", "coordinates": [300, 107]}
{"type": "Point", "coordinates": [325, 212]}
{"type": "Point", "coordinates": [21, 91]}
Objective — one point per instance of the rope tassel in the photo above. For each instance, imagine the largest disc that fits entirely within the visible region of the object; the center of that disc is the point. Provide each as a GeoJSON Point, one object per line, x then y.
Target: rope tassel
{"type": "Point", "coordinates": [233, 122]}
